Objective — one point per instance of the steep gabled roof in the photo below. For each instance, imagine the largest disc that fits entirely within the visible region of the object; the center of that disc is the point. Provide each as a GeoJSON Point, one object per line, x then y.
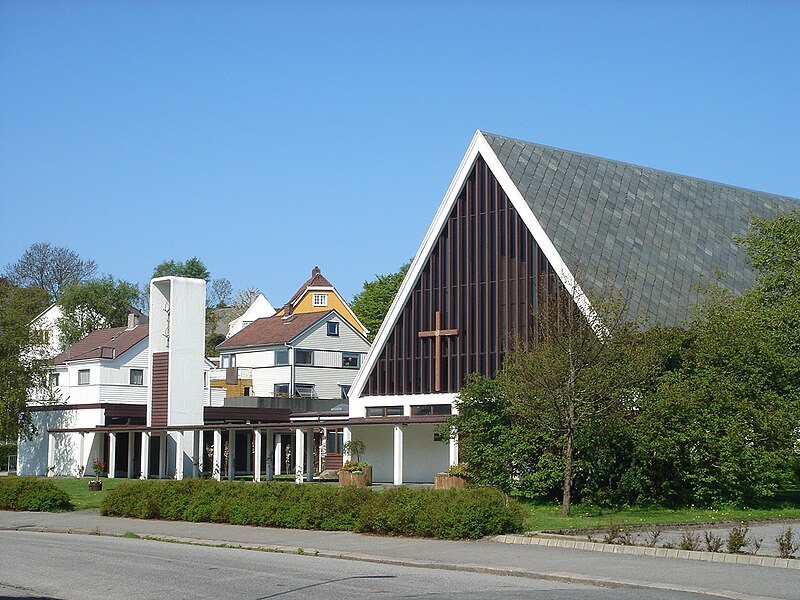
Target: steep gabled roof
{"type": "Point", "coordinates": [104, 343]}
{"type": "Point", "coordinates": [269, 331]}
{"type": "Point", "coordinates": [654, 234]}
{"type": "Point", "coordinates": [317, 280]}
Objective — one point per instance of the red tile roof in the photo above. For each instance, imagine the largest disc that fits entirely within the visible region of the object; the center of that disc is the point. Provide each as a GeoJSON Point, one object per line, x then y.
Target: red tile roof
{"type": "Point", "coordinates": [273, 330]}
{"type": "Point", "coordinates": [104, 343]}
{"type": "Point", "coordinates": [316, 280]}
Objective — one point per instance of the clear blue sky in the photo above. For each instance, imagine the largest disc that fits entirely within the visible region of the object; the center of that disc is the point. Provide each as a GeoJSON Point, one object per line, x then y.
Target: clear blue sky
{"type": "Point", "coordinates": [269, 137]}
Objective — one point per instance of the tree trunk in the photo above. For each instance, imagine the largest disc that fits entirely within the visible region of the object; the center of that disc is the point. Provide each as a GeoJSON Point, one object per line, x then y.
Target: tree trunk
{"type": "Point", "coordinates": [569, 446]}
{"type": "Point", "coordinates": [567, 498]}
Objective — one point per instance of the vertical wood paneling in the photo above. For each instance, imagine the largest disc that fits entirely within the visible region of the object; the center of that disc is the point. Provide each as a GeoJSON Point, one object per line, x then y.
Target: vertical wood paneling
{"type": "Point", "coordinates": [158, 408]}
{"type": "Point", "coordinates": [487, 276]}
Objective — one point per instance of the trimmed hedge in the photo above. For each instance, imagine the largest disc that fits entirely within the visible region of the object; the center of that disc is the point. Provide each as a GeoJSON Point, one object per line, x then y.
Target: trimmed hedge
{"type": "Point", "coordinates": [449, 514]}
{"type": "Point", "coordinates": [32, 493]}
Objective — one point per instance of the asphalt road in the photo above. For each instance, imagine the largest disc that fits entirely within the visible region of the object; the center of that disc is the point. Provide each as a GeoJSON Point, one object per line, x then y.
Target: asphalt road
{"type": "Point", "coordinates": [56, 565]}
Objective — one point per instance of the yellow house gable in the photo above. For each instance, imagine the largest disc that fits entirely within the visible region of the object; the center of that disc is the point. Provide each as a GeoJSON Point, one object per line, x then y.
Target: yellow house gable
{"type": "Point", "coordinates": [318, 295]}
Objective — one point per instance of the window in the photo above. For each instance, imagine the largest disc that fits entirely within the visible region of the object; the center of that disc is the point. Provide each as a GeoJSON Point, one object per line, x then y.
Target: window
{"type": "Point", "coordinates": [228, 361]}
{"type": "Point", "coordinates": [335, 441]}
{"type": "Point", "coordinates": [246, 391]}
{"type": "Point", "coordinates": [384, 411]}
{"type": "Point", "coordinates": [41, 336]}
{"type": "Point", "coordinates": [333, 328]}
{"type": "Point", "coordinates": [320, 300]}
{"type": "Point", "coordinates": [305, 390]}
{"type": "Point", "coordinates": [282, 356]}
{"type": "Point", "coordinates": [246, 323]}
{"type": "Point", "coordinates": [53, 379]}
{"type": "Point", "coordinates": [137, 377]}
{"type": "Point", "coordinates": [281, 390]}
{"type": "Point", "coordinates": [351, 360]}
{"type": "Point", "coordinates": [303, 357]}
{"type": "Point", "coordinates": [83, 377]}
{"type": "Point", "coordinates": [431, 409]}
{"type": "Point", "coordinates": [345, 391]}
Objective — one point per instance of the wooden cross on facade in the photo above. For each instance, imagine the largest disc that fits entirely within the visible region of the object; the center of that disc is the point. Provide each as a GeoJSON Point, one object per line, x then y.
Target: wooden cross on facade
{"type": "Point", "coordinates": [437, 334]}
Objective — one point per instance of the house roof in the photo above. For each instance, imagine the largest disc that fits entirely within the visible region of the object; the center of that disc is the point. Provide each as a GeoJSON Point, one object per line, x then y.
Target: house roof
{"type": "Point", "coordinates": [317, 280]}
{"type": "Point", "coordinates": [269, 331]}
{"type": "Point", "coordinates": [104, 343]}
{"type": "Point", "coordinates": [656, 235]}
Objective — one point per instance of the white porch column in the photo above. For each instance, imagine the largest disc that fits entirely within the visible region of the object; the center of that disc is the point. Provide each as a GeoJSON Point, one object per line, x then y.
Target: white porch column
{"type": "Point", "coordinates": [231, 454]}
{"type": "Point", "coordinates": [51, 454]}
{"type": "Point", "coordinates": [309, 433]}
{"type": "Point", "coordinates": [398, 455]}
{"type": "Point", "coordinates": [145, 473]}
{"type": "Point", "coordinates": [216, 466]}
{"type": "Point", "coordinates": [81, 454]}
{"type": "Point", "coordinates": [162, 454]}
{"type": "Point", "coordinates": [257, 448]}
{"type": "Point", "coordinates": [347, 435]}
{"type": "Point", "coordinates": [278, 456]}
{"type": "Point", "coordinates": [270, 455]}
{"type": "Point", "coordinates": [131, 448]}
{"type": "Point", "coordinates": [453, 452]}
{"type": "Point", "coordinates": [299, 446]}
{"type": "Point", "coordinates": [112, 454]}
{"type": "Point", "coordinates": [179, 455]}
{"type": "Point", "coordinates": [197, 437]}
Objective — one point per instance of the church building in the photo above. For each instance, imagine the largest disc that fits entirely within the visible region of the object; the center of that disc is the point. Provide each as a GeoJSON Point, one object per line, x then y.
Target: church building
{"type": "Point", "coordinates": [520, 224]}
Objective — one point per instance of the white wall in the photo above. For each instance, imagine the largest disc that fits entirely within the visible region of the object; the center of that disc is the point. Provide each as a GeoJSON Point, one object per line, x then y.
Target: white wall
{"type": "Point", "coordinates": [32, 454]}
{"type": "Point", "coordinates": [264, 380]}
{"type": "Point", "coordinates": [423, 458]}
{"type": "Point", "coordinates": [358, 405]}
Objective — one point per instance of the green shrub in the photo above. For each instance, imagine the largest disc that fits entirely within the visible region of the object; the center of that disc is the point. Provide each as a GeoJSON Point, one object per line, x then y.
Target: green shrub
{"type": "Point", "coordinates": [6, 450]}
{"type": "Point", "coordinates": [32, 493]}
{"type": "Point", "coordinates": [447, 514]}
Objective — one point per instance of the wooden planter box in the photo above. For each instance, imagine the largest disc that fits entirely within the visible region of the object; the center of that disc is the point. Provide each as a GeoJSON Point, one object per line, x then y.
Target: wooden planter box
{"type": "Point", "coordinates": [361, 478]}
{"type": "Point", "coordinates": [449, 482]}
{"type": "Point", "coordinates": [95, 486]}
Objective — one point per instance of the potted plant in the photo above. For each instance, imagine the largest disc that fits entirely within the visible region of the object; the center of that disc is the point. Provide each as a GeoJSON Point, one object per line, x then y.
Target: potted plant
{"type": "Point", "coordinates": [455, 478]}
{"type": "Point", "coordinates": [99, 468]}
{"type": "Point", "coordinates": [355, 472]}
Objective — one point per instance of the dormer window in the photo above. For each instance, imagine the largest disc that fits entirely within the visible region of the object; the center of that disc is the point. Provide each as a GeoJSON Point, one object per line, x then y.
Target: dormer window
{"type": "Point", "coordinates": [320, 300]}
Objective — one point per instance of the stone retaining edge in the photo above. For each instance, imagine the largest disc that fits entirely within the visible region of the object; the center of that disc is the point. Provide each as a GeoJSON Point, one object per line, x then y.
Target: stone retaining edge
{"type": "Point", "coordinates": [721, 557]}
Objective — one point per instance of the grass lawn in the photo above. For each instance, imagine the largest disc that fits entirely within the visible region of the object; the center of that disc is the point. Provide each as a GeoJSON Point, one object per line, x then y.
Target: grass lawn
{"type": "Point", "coordinates": [548, 516]}
{"type": "Point", "coordinates": [78, 490]}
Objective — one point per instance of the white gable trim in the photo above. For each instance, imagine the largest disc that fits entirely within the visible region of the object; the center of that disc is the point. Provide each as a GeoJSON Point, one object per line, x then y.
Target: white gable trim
{"type": "Point", "coordinates": [478, 146]}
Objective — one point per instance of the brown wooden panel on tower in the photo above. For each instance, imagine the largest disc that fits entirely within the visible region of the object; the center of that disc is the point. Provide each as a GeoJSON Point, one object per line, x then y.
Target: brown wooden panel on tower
{"type": "Point", "coordinates": [480, 288]}
{"type": "Point", "coordinates": [160, 383]}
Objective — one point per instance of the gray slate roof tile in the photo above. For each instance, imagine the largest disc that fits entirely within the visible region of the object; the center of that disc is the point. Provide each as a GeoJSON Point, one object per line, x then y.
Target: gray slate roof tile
{"type": "Point", "coordinates": [654, 234]}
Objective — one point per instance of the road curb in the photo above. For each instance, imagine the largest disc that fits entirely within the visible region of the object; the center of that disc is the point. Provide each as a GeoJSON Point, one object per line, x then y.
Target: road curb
{"type": "Point", "coordinates": [559, 577]}
{"type": "Point", "coordinates": [720, 557]}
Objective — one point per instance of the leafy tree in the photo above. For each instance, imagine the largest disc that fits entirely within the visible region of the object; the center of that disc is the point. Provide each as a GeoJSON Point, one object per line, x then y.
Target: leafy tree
{"type": "Point", "coordinates": [373, 301]}
{"type": "Point", "coordinates": [773, 246]}
{"type": "Point", "coordinates": [95, 304]}
{"type": "Point", "coordinates": [580, 375]}
{"type": "Point", "coordinates": [50, 268]}
{"type": "Point", "coordinates": [22, 371]}
{"type": "Point", "coordinates": [724, 423]}
{"type": "Point", "coordinates": [193, 267]}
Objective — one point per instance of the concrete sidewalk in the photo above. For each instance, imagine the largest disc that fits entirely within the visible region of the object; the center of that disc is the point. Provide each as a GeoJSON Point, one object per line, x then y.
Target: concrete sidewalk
{"type": "Point", "coordinates": [543, 562]}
